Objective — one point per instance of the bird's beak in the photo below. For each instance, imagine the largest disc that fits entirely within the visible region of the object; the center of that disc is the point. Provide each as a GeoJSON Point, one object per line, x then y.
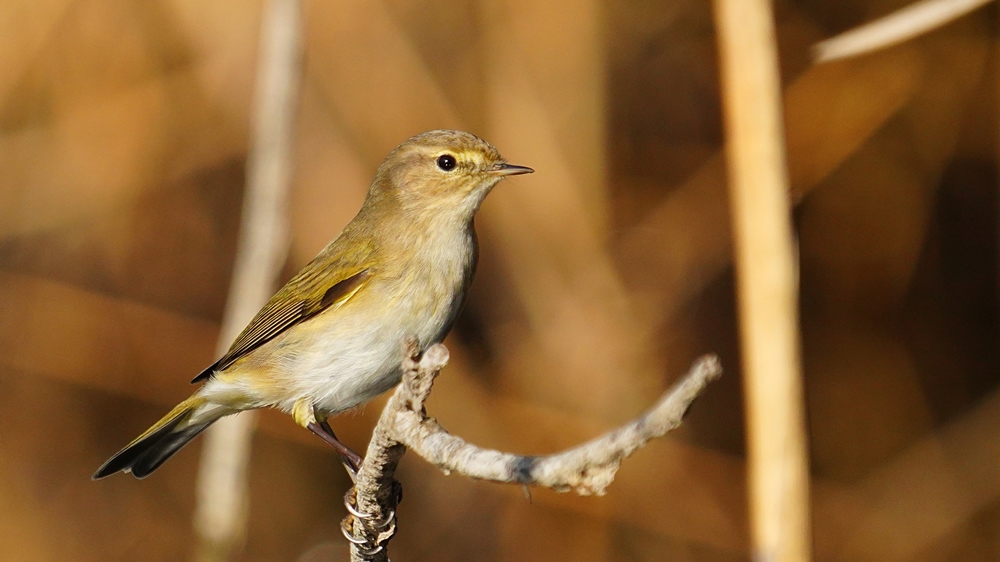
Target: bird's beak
{"type": "Point", "coordinates": [504, 169]}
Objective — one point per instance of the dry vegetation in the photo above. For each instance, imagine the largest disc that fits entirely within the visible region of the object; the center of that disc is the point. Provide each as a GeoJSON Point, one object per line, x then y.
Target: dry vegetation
{"type": "Point", "coordinates": [123, 135]}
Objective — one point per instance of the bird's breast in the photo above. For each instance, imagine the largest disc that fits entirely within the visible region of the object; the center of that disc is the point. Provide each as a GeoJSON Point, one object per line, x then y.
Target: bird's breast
{"type": "Point", "coordinates": [436, 286]}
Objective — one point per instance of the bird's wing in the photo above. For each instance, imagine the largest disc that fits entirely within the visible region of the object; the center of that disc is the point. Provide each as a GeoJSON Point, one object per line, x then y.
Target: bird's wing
{"type": "Point", "coordinates": [315, 289]}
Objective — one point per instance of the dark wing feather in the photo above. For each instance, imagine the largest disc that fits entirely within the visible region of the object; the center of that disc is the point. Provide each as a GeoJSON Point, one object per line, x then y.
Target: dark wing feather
{"type": "Point", "coordinates": [315, 289]}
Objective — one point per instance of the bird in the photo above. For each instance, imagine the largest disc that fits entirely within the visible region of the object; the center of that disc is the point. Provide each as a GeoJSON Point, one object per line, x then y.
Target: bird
{"type": "Point", "coordinates": [331, 338]}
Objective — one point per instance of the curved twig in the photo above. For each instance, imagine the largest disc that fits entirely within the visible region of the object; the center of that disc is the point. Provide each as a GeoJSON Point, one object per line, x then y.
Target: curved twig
{"type": "Point", "coordinates": [586, 469]}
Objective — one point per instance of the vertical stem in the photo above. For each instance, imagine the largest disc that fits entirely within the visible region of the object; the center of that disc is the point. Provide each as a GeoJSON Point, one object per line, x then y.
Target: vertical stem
{"type": "Point", "coordinates": [220, 516]}
{"type": "Point", "coordinates": [766, 281]}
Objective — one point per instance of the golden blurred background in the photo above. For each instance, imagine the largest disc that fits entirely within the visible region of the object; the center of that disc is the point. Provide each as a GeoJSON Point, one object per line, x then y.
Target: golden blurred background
{"type": "Point", "coordinates": [123, 143]}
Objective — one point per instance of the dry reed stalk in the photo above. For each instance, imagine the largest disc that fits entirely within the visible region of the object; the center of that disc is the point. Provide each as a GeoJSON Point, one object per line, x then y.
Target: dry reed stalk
{"type": "Point", "coordinates": [220, 516]}
{"type": "Point", "coordinates": [766, 281]}
{"type": "Point", "coordinates": [902, 25]}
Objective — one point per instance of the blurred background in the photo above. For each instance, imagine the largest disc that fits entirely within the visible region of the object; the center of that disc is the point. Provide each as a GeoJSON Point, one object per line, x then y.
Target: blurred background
{"type": "Point", "coordinates": [123, 144]}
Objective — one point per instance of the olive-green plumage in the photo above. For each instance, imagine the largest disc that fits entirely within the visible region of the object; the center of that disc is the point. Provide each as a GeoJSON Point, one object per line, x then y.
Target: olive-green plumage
{"type": "Point", "coordinates": [330, 339]}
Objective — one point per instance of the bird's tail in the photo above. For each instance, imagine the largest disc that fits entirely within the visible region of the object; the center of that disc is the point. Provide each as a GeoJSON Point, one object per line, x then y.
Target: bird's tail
{"type": "Point", "coordinates": [151, 449]}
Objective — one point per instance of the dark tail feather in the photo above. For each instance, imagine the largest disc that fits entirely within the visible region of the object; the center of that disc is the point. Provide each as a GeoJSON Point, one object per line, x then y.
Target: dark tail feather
{"type": "Point", "coordinates": [165, 448]}
{"type": "Point", "coordinates": [151, 449]}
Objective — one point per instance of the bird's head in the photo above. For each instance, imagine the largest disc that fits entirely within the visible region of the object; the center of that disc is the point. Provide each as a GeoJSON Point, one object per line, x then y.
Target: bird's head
{"type": "Point", "coordinates": [441, 174]}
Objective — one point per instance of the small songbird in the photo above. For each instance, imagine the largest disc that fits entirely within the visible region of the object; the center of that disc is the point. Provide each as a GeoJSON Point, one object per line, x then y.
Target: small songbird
{"type": "Point", "coordinates": [331, 338]}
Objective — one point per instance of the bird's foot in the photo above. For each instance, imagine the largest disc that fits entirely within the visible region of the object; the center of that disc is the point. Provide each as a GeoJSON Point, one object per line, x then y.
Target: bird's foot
{"type": "Point", "coordinates": [381, 529]}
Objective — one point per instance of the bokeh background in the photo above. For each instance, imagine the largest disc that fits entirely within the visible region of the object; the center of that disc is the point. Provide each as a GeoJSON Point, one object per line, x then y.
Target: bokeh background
{"type": "Point", "coordinates": [123, 143]}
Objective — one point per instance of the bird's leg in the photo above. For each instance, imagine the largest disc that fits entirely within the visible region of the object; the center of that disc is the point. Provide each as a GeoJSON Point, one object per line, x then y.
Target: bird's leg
{"type": "Point", "coordinates": [305, 416]}
{"type": "Point", "coordinates": [352, 461]}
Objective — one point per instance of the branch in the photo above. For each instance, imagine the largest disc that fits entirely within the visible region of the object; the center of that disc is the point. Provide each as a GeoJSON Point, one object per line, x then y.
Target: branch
{"type": "Point", "coordinates": [586, 469]}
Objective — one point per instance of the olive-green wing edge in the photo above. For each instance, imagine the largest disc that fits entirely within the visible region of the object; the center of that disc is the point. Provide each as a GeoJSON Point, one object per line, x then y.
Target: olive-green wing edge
{"type": "Point", "coordinates": [281, 313]}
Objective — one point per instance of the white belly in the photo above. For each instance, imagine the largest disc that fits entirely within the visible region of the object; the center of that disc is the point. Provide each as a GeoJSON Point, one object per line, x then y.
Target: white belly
{"type": "Point", "coordinates": [349, 364]}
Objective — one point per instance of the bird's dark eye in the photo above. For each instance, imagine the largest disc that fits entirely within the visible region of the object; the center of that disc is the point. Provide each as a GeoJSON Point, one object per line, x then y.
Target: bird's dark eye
{"type": "Point", "coordinates": [446, 162]}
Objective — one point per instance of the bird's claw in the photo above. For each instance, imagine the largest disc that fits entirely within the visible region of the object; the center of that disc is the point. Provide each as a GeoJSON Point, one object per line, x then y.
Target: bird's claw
{"type": "Point", "coordinates": [360, 543]}
{"type": "Point", "coordinates": [385, 527]}
{"type": "Point", "coordinates": [367, 547]}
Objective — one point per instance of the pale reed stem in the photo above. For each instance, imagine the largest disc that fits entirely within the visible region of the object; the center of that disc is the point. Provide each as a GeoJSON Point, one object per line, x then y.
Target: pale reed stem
{"type": "Point", "coordinates": [221, 512]}
{"type": "Point", "coordinates": [766, 281]}
{"type": "Point", "coordinates": [904, 24]}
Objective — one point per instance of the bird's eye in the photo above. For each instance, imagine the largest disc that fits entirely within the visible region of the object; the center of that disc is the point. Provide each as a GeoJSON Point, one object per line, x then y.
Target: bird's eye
{"type": "Point", "coordinates": [446, 162]}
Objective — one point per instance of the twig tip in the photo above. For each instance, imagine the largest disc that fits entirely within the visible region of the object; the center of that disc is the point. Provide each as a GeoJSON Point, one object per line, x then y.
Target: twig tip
{"type": "Point", "coordinates": [436, 356]}
{"type": "Point", "coordinates": [710, 365]}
